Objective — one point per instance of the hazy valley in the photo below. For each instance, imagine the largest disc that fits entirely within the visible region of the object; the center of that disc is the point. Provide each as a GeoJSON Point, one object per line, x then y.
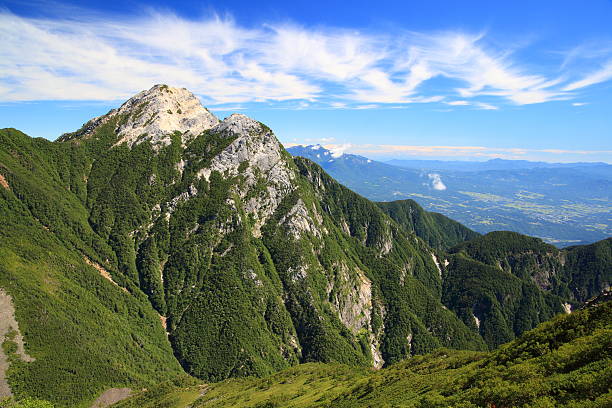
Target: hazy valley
{"type": "Point", "coordinates": [564, 204]}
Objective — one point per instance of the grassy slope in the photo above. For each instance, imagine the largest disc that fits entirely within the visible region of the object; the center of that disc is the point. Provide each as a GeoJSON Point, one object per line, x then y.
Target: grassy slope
{"type": "Point", "coordinates": [565, 362]}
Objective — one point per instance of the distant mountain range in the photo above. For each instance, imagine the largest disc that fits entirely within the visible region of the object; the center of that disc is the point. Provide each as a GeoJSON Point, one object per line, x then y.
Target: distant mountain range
{"type": "Point", "coordinates": [562, 203]}
{"type": "Point", "coordinates": [496, 164]}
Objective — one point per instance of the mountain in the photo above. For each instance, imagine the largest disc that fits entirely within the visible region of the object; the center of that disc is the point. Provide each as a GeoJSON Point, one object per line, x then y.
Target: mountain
{"type": "Point", "coordinates": [437, 230]}
{"type": "Point", "coordinates": [562, 363]}
{"type": "Point", "coordinates": [564, 204]}
{"type": "Point", "coordinates": [505, 283]}
{"type": "Point", "coordinates": [550, 268]}
{"type": "Point", "coordinates": [158, 218]}
{"type": "Point", "coordinates": [158, 240]}
{"type": "Point", "coordinates": [495, 164]}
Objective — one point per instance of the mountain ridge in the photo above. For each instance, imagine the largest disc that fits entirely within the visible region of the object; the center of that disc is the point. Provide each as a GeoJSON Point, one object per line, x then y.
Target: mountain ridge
{"type": "Point", "coordinates": [491, 164]}
{"type": "Point", "coordinates": [239, 259]}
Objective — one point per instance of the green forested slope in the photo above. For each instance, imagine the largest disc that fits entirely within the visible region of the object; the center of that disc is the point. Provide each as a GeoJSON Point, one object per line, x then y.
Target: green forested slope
{"type": "Point", "coordinates": [562, 363]}
{"type": "Point", "coordinates": [85, 334]}
{"type": "Point", "coordinates": [588, 269]}
{"type": "Point", "coordinates": [504, 283]}
{"type": "Point", "coordinates": [437, 230]}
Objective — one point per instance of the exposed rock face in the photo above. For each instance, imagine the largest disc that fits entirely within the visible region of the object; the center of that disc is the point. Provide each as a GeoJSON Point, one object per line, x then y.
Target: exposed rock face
{"type": "Point", "coordinates": [4, 183]}
{"type": "Point", "coordinates": [9, 330]}
{"type": "Point", "coordinates": [111, 396]}
{"type": "Point", "coordinates": [299, 220]}
{"type": "Point", "coordinates": [259, 152]}
{"type": "Point", "coordinates": [352, 298]}
{"type": "Point", "coordinates": [435, 259]}
{"type": "Point", "coordinates": [154, 115]}
{"type": "Point", "coordinates": [567, 308]}
{"type": "Point", "coordinates": [386, 244]}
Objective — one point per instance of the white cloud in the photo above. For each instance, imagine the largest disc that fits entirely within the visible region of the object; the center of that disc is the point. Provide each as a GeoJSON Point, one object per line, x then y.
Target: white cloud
{"type": "Point", "coordinates": [579, 103]}
{"type": "Point", "coordinates": [436, 182]}
{"type": "Point", "coordinates": [601, 75]}
{"type": "Point", "coordinates": [485, 106]}
{"type": "Point", "coordinates": [457, 103]}
{"type": "Point", "coordinates": [370, 106]}
{"type": "Point", "coordinates": [87, 57]}
{"type": "Point", "coordinates": [338, 150]}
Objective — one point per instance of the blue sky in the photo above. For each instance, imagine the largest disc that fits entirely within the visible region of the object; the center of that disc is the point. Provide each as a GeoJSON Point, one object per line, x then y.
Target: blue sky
{"type": "Point", "coordinates": [431, 79]}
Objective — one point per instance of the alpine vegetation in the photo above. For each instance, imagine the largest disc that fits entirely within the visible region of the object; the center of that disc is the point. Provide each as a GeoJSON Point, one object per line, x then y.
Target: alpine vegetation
{"type": "Point", "coordinates": [158, 241]}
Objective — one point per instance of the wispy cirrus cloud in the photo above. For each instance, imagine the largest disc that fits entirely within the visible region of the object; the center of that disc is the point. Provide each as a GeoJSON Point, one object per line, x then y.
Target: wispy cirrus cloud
{"type": "Point", "coordinates": [603, 74]}
{"type": "Point", "coordinates": [95, 57]}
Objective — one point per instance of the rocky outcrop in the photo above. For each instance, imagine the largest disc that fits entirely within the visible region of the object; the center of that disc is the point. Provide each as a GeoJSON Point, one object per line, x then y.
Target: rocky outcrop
{"type": "Point", "coordinates": [298, 221]}
{"type": "Point", "coordinates": [256, 155]}
{"type": "Point", "coordinates": [4, 183]}
{"type": "Point", "coordinates": [352, 298]}
{"type": "Point", "coordinates": [154, 115]}
{"type": "Point", "coordinates": [350, 293]}
{"type": "Point", "coordinates": [111, 396]}
{"type": "Point", "coordinates": [9, 331]}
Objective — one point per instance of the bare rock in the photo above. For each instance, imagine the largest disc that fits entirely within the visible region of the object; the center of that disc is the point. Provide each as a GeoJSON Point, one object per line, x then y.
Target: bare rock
{"type": "Point", "coordinates": [156, 114]}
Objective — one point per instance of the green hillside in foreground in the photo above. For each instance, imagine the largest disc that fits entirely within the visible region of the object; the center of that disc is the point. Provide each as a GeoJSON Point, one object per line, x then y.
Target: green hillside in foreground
{"type": "Point", "coordinates": [566, 362]}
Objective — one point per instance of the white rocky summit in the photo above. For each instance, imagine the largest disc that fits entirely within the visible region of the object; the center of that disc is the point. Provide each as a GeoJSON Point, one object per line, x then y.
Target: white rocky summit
{"type": "Point", "coordinates": [154, 115]}
{"type": "Point", "coordinates": [162, 110]}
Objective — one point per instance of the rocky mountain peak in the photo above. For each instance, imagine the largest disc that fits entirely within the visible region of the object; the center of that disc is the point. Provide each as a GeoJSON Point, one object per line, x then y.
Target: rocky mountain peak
{"type": "Point", "coordinates": [160, 111]}
{"type": "Point", "coordinates": [154, 115]}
